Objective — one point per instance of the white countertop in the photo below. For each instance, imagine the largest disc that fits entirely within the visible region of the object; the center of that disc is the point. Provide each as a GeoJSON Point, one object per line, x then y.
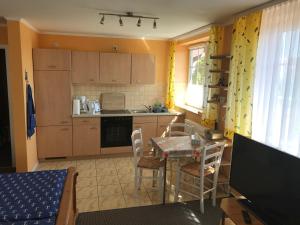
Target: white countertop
{"type": "Point", "coordinates": [170, 113]}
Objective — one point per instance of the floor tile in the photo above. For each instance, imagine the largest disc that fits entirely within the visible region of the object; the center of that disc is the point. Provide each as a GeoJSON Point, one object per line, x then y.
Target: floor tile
{"type": "Point", "coordinates": [88, 204]}
{"type": "Point", "coordinates": [107, 180]}
{"type": "Point", "coordinates": [65, 164]}
{"type": "Point", "coordinates": [87, 173]}
{"type": "Point", "coordinates": [140, 199]}
{"type": "Point", "coordinates": [47, 166]}
{"type": "Point", "coordinates": [128, 178]}
{"type": "Point", "coordinates": [112, 202]}
{"type": "Point", "coordinates": [109, 190]}
{"type": "Point", "coordinates": [129, 188]}
{"type": "Point", "coordinates": [110, 171]}
{"type": "Point", "coordinates": [86, 192]}
{"type": "Point", "coordinates": [86, 181]}
{"type": "Point", "coordinates": [86, 162]}
{"type": "Point", "coordinates": [104, 163]}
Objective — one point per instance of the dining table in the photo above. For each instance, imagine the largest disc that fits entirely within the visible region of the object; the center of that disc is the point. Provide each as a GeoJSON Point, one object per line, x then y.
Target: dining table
{"type": "Point", "coordinates": [174, 147]}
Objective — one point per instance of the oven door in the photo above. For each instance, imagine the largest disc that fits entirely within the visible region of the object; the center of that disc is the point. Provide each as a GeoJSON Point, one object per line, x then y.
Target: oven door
{"type": "Point", "coordinates": [116, 131]}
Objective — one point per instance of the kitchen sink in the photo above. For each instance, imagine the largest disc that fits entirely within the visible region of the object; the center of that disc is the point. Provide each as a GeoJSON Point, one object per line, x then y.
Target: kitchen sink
{"type": "Point", "coordinates": [140, 111]}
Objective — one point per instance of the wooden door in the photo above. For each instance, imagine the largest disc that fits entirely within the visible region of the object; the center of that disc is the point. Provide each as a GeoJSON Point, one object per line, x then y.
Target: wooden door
{"type": "Point", "coordinates": [143, 69]}
{"type": "Point", "coordinates": [85, 67]}
{"type": "Point", "coordinates": [115, 68]}
{"type": "Point", "coordinates": [86, 140]}
{"type": "Point", "coordinates": [54, 141]}
{"type": "Point", "coordinates": [53, 97]}
{"type": "Point", "coordinates": [51, 59]}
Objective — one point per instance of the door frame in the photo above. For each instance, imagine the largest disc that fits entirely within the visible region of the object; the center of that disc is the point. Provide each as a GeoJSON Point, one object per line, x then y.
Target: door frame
{"type": "Point", "coordinates": [5, 47]}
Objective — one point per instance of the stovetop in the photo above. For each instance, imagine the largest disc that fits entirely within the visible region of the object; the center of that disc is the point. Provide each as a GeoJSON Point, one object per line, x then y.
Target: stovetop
{"type": "Point", "coordinates": [121, 111]}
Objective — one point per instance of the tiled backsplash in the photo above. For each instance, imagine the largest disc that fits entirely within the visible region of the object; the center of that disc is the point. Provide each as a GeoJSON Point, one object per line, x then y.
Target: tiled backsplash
{"type": "Point", "coordinates": [136, 95]}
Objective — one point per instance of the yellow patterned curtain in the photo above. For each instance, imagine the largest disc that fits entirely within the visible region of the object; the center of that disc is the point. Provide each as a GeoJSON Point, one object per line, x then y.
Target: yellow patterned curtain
{"type": "Point", "coordinates": [242, 68]}
{"type": "Point", "coordinates": [215, 47]}
{"type": "Point", "coordinates": [170, 93]}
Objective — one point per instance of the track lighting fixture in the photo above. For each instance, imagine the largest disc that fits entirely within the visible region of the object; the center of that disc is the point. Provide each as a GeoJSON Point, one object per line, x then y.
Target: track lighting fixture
{"type": "Point", "coordinates": [154, 24]}
{"type": "Point", "coordinates": [121, 21]}
{"type": "Point", "coordinates": [130, 15]}
{"type": "Point", "coordinates": [102, 20]}
{"type": "Point", "coordinates": [139, 22]}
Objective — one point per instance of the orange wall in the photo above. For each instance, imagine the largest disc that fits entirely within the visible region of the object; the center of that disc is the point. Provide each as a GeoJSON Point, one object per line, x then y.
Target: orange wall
{"type": "Point", "coordinates": [3, 35]}
{"type": "Point", "coordinates": [156, 47]}
{"type": "Point", "coordinates": [21, 40]}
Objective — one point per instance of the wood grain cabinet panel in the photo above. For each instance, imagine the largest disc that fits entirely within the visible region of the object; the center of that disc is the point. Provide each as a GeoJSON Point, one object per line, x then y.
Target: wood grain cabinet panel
{"type": "Point", "coordinates": [115, 68]}
{"type": "Point", "coordinates": [143, 69]}
{"type": "Point", "coordinates": [53, 97]}
{"type": "Point", "coordinates": [85, 67]}
{"type": "Point", "coordinates": [148, 131]}
{"type": "Point", "coordinates": [54, 141]}
{"type": "Point", "coordinates": [52, 59]}
{"type": "Point", "coordinates": [86, 140]}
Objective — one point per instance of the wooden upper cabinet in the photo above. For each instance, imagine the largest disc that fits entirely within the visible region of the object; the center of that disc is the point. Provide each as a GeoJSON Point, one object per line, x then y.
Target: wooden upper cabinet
{"type": "Point", "coordinates": [85, 67]}
{"type": "Point", "coordinates": [143, 69]}
{"type": "Point", "coordinates": [115, 68]}
{"type": "Point", "coordinates": [51, 59]}
{"type": "Point", "coordinates": [53, 97]}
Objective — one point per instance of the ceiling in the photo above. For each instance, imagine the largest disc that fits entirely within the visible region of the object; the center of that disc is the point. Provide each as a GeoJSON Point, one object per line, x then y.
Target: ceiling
{"type": "Point", "coordinates": [81, 16]}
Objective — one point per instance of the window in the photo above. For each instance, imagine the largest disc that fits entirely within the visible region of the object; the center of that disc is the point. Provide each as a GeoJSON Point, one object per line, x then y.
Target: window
{"type": "Point", "coordinates": [196, 79]}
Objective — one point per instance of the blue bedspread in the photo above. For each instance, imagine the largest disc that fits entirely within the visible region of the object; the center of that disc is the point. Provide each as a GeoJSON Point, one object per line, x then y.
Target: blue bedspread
{"type": "Point", "coordinates": [31, 198]}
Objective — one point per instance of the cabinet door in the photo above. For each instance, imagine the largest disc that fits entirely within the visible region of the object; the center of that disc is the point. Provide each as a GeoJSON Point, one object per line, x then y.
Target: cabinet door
{"type": "Point", "coordinates": [85, 67]}
{"type": "Point", "coordinates": [54, 141]}
{"type": "Point", "coordinates": [53, 97]}
{"type": "Point", "coordinates": [51, 59]}
{"type": "Point", "coordinates": [143, 69]}
{"type": "Point", "coordinates": [86, 140]}
{"type": "Point", "coordinates": [161, 130]}
{"type": "Point", "coordinates": [115, 68]}
{"type": "Point", "coordinates": [148, 131]}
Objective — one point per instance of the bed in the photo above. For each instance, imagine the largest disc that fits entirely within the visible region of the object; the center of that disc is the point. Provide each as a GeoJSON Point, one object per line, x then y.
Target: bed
{"type": "Point", "coordinates": [38, 198]}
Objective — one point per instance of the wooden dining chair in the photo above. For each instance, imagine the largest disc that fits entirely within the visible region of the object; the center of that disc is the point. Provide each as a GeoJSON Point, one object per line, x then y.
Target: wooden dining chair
{"type": "Point", "coordinates": [142, 162]}
{"type": "Point", "coordinates": [205, 170]}
{"type": "Point", "coordinates": [180, 129]}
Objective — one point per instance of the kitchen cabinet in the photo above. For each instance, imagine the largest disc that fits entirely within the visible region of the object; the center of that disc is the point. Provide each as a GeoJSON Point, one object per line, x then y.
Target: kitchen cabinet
{"type": "Point", "coordinates": [53, 97]}
{"type": "Point", "coordinates": [115, 68]}
{"type": "Point", "coordinates": [86, 137]}
{"type": "Point", "coordinates": [51, 59]}
{"type": "Point", "coordinates": [143, 69]}
{"type": "Point", "coordinates": [85, 67]}
{"type": "Point", "coordinates": [148, 124]}
{"type": "Point", "coordinates": [54, 141]}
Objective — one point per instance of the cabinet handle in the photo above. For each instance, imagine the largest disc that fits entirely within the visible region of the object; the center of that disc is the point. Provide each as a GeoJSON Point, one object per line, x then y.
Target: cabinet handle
{"type": "Point", "coordinates": [114, 80]}
{"type": "Point", "coordinates": [51, 66]}
{"type": "Point", "coordinates": [85, 121]}
{"type": "Point", "coordinates": [63, 121]}
{"type": "Point", "coordinates": [64, 129]}
{"type": "Point", "coordinates": [93, 128]}
{"type": "Point", "coordinates": [92, 80]}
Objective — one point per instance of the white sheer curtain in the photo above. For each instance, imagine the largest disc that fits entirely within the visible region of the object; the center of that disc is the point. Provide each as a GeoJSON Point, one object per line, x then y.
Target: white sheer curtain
{"type": "Point", "coordinates": [276, 102]}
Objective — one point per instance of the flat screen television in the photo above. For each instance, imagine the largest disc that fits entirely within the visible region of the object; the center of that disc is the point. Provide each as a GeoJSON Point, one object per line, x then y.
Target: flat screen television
{"type": "Point", "coordinates": [269, 179]}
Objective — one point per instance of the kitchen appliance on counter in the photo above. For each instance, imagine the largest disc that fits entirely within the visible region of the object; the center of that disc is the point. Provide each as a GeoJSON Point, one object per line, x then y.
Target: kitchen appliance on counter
{"type": "Point", "coordinates": [93, 107]}
{"type": "Point", "coordinates": [115, 130]}
{"type": "Point", "coordinates": [83, 103]}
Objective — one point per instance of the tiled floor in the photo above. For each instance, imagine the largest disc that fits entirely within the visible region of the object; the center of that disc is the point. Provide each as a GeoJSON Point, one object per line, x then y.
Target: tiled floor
{"type": "Point", "coordinates": [109, 184]}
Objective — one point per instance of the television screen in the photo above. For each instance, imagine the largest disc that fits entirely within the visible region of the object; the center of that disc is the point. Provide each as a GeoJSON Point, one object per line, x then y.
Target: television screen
{"type": "Point", "coordinates": [269, 179]}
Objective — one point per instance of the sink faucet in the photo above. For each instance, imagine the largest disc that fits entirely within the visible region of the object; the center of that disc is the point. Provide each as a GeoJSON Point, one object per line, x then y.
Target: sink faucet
{"type": "Point", "coordinates": [148, 107]}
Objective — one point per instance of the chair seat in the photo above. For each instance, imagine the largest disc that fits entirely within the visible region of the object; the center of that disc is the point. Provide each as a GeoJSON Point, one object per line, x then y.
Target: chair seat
{"type": "Point", "coordinates": [150, 163]}
{"type": "Point", "coordinates": [194, 169]}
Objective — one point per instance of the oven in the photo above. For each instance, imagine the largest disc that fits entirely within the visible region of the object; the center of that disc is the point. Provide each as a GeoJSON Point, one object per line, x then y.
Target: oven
{"type": "Point", "coordinates": [116, 131]}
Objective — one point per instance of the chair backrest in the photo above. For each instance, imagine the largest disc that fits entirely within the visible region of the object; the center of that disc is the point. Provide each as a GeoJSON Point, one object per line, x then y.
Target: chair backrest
{"type": "Point", "coordinates": [211, 157]}
{"type": "Point", "coordinates": [180, 129]}
{"type": "Point", "coordinates": [137, 144]}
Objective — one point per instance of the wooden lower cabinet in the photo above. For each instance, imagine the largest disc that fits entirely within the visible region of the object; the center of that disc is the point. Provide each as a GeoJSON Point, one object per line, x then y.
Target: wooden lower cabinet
{"type": "Point", "coordinates": [163, 123]}
{"type": "Point", "coordinates": [54, 141]}
{"type": "Point", "coordinates": [148, 130]}
{"type": "Point", "coordinates": [86, 140]}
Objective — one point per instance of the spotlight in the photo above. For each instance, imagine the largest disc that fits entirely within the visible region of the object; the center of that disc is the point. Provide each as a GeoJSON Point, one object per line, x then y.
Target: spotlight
{"type": "Point", "coordinates": [154, 24]}
{"type": "Point", "coordinates": [139, 22]}
{"type": "Point", "coordinates": [102, 20]}
{"type": "Point", "coordinates": [121, 22]}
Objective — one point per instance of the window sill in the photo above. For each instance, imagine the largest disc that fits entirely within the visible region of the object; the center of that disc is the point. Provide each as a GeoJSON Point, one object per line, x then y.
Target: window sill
{"type": "Point", "coordinates": [189, 108]}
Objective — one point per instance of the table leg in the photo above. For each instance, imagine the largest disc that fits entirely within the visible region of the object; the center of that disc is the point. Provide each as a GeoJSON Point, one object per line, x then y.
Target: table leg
{"type": "Point", "coordinates": [165, 181]}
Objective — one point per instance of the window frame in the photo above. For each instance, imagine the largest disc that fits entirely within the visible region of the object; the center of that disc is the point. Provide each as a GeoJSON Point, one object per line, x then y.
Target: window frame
{"type": "Point", "coordinates": [189, 75]}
